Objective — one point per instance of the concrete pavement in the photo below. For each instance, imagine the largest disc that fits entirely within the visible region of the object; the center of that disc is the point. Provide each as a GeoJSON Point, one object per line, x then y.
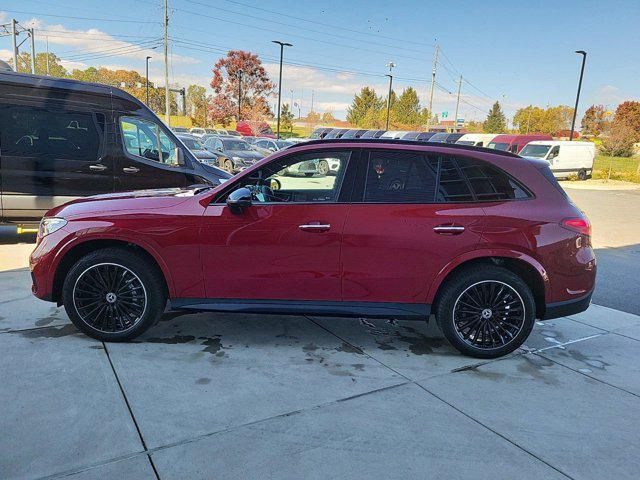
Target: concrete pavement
{"type": "Point", "coordinates": [258, 396]}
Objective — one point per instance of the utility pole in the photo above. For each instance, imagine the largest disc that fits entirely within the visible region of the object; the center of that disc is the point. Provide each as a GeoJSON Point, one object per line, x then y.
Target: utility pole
{"type": "Point", "coordinates": [147, 79]}
{"type": "Point", "coordinates": [33, 52]}
{"type": "Point", "coordinates": [239, 74]}
{"type": "Point", "coordinates": [14, 37]}
{"type": "Point", "coordinates": [455, 118]}
{"type": "Point", "coordinates": [575, 110]}
{"type": "Point", "coordinates": [291, 104]}
{"type": "Point", "coordinates": [47, 43]}
{"type": "Point", "coordinates": [282, 45]}
{"type": "Point", "coordinates": [167, 104]}
{"type": "Point", "coordinates": [433, 84]}
{"type": "Point", "coordinates": [312, 95]}
{"type": "Point", "coordinates": [390, 65]}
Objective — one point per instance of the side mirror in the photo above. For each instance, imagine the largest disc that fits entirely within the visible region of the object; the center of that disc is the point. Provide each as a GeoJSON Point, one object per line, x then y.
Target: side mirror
{"type": "Point", "coordinates": [239, 199]}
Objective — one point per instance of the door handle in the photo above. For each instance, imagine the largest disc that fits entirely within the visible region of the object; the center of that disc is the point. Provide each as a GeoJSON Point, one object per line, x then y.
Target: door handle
{"type": "Point", "coordinates": [449, 229]}
{"type": "Point", "coordinates": [98, 168]}
{"type": "Point", "coordinates": [130, 170]}
{"type": "Point", "coordinates": [315, 227]}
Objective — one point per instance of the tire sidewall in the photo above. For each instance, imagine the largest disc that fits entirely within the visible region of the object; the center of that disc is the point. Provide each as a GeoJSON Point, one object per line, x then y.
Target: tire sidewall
{"type": "Point", "coordinates": [454, 288]}
{"type": "Point", "coordinates": [140, 267]}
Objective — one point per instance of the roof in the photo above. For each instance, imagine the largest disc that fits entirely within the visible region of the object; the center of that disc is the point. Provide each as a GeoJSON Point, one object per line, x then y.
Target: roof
{"type": "Point", "coordinates": [390, 141]}
{"type": "Point", "coordinates": [561, 142]}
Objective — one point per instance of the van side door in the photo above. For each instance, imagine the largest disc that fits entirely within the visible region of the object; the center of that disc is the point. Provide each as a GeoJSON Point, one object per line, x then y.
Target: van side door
{"type": "Point", "coordinates": [50, 155]}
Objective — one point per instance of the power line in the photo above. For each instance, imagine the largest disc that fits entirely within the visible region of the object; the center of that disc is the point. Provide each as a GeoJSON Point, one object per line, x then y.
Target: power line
{"type": "Point", "coordinates": [120, 50]}
{"type": "Point", "coordinates": [79, 18]}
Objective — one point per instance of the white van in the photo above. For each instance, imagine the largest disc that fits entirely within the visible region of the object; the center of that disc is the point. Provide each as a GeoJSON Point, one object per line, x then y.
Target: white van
{"type": "Point", "coordinates": [394, 134]}
{"type": "Point", "coordinates": [564, 157]}
{"type": "Point", "coordinates": [476, 139]}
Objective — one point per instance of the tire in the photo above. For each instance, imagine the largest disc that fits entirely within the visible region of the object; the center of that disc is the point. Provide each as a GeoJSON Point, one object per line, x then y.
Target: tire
{"type": "Point", "coordinates": [469, 318]}
{"type": "Point", "coordinates": [323, 168]}
{"type": "Point", "coordinates": [113, 294]}
{"type": "Point", "coordinates": [582, 174]}
{"type": "Point", "coordinates": [228, 166]}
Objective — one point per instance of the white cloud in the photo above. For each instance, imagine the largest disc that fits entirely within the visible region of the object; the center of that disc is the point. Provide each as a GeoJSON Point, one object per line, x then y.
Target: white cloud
{"type": "Point", "coordinates": [609, 95]}
{"type": "Point", "coordinates": [334, 106]}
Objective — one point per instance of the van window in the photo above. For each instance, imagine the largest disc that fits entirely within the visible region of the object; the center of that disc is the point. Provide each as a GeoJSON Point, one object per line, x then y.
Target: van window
{"type": "Point", "coordinates": [400, 177]}
{"type": "Point", "coordinates": [29, 132]}
{"type": "Point", "coordinates": [555, 151]}
{"type": "Point", "coordinates": [144, 138]}
{"type": "Point", "coordinates": [514, 148]}
{"type": "Point", "coordinates": [498, 146]}
{"type": "Point", "coordinates": [535, 151]}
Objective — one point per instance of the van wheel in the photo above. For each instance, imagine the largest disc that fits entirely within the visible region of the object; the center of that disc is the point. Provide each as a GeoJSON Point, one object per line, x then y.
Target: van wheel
{"type": "Point", "coordinates": [228, 166]}
{"type": "Point", "coordinates": [486, 312]}
{"type": "Point", "coordinates": [113, 294]}
{"type": "Point", "coordinates": [323, 167]}
{"type": "Point", "coordinates": [582, 174]}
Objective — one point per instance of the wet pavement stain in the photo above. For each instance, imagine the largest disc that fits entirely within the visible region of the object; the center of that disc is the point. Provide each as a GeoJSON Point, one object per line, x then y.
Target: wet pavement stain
{"type": "Point", "coordinates": [176, 339]}
{"type": "Point", "coordinates": [97, 347]}
{"type": "Point", "coordinates": [45, 321]}
{"type": "Point", "coordinates": [420, 344]}
{"type": "Point", "coordinates": [384, 344]}
{"type": "Point", "coordinates": [310, 347]}
{"type": "Point", "coordinates": [591, 362]}
{"type": "Point", "coordinates": [49, 332]}
{"type": "Point", "coordinates": [203, 381]}
{"type": "Point", "coordinates": [213, 345]}
{"type": "Point", "coordinates": [534, 367]}
{"type": "Point", "coordinates": [345, 347]}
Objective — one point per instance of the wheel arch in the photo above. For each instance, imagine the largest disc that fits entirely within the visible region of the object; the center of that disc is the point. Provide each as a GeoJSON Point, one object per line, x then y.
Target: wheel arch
{"type": "Point", "coordinates": [525, 266]}
{"type": "Point", "coordinates": [78, 250]}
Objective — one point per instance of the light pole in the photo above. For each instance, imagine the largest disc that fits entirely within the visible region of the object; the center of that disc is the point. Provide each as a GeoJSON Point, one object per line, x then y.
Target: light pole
{"type": "Point", "coordinates": [282, 45]}
{"type": "Point", "coordinates": [239, 74]}
{"type": "Point", "coordinates": [575, 110]}
{"type": "Point", "coordinates": [390, 65]}
{"type": "Point", "coordinates": [147, 77]}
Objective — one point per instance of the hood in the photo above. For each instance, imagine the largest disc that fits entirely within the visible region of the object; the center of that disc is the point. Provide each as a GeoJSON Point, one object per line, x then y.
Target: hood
{"type": "Point", "coordinates": [249, 154]}
{"type": "Point", "coordinates": [203, 154]}
{"type": "Point", "coordinates": [123, 201]}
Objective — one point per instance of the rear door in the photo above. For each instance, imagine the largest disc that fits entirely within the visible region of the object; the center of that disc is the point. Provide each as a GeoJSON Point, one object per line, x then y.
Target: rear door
{"type": "Point", "coordinates": [413, 212]}
{"type": "Point", "coordinates": [147, 156]}
{"type": "Point", "coordinates": [50, 155]}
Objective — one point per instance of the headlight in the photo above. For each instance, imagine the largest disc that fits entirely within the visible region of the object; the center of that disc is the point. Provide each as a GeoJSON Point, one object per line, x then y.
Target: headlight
{"type": "Point", "coordinates": [49, 225]}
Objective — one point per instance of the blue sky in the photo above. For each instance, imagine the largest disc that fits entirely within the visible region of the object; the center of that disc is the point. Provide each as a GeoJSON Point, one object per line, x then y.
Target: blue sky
{"type": "Point", "coordinates": [517, 52]}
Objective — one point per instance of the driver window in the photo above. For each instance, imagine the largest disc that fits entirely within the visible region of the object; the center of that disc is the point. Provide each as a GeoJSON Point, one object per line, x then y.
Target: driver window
{"type": "Point", "coordinates": [313, 177]}
{"type": "Point", "coordinates": [554, 152]}
{"type": "Point", "coordinates": [145, 139]}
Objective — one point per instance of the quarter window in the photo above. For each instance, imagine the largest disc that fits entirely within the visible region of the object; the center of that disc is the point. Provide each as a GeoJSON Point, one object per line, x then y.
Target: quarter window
{"type": "Point", "coordinates": [144, 138]}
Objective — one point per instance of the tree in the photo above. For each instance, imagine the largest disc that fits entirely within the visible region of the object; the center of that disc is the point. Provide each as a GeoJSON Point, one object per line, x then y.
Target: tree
{"type": "Point", "coordinates": [495, 122]}
{"type": "Point", "coordinates": [594, 121]}
{"type": "Point", "coordinates": [474, 127]}
{"type": "Point", "coordinates": [628, 114]}
{"type": "Point", "coordinates": [550, 120]}
{"type": "Point", "coordinates": [55, 67]}
{"type": "Point", "coordinates": [197, 104]}
{"type": "Point", "coordinates": [619, 141]}
{"type": "Point", "coordinates": [361, 104]}
{"type": "Point", "coordinates": [286, 118]}
{"type": "Point", "coordinates": [406, 110]}
{"type": "Point", "coordinates": [327, 117]}
{"type": "Point", "coordinates": [256, 87]}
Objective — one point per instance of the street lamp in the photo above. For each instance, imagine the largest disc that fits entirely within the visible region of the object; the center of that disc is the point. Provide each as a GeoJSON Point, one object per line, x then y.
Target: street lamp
{"type": "Point", "coordinates": [390, 65]}
{"type": "Point", "coordinates": [147, 75]}
{"type": "Point", "coordinates": [282, 45]}
{"type": "Point", "coordinates": [575, 110]}
{"type": "Point", "coordinates": [239, 74]}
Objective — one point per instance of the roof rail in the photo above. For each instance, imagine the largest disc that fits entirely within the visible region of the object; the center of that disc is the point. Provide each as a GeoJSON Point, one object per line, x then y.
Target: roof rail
{"type": "Point", "coordinates": [391, 141]}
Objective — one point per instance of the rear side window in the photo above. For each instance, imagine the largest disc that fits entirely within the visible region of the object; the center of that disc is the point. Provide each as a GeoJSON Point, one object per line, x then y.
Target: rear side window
{"type": "Point", "coordinates": [29, 132]}
{"type": "Point", "coordinates": [489, 183]}
{"type": "Point", "coordinates": [400, 177]}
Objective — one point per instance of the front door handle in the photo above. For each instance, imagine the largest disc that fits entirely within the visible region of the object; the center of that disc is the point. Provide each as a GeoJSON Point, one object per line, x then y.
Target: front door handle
{"type": "Point", "coordinates": [98, 168]}
{"type": "Point", "coordinates": [449, 229]}
{"type": "Point", "coordinates": [130, 170]}
{"type": "Point", "coordinates": [314, 227]}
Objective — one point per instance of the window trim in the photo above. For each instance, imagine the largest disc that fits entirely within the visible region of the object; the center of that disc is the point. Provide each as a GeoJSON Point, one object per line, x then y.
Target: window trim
{"type": "Point", "coordinates": [180, 160]}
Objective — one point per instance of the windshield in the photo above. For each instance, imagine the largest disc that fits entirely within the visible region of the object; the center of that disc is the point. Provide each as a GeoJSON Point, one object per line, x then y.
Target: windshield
{"type": "Point", "coordinates": [235, 145]}
{"type": "Point", "coordinates": [192, 143]}
{"type": "Point", "coordinates": [498, 146]}
{"type": "Point", "coordinates": [465, 142]}
{"type": "Point", "coordinates": [536, 151]}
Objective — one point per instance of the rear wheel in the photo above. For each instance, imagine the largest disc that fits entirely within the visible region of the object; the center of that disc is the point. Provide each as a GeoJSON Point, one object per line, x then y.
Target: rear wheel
{"type": "Point", "coordinates": [486, 312]}
{"type": "Point", "coordinates": [113, 294]}
{"type": "Point", "coordinates": [228, 166]}
{"type": "Point", "coordinates": [323, 167]}
{"type": "Point", "coordinates": [582, 174]}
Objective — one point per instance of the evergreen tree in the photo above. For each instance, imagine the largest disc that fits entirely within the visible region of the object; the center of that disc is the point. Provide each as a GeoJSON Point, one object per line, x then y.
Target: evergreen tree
{"type": "Point", "coordinates": [286, 118]}
{"type": "Point", "coordinates": [406, 110]}
{"type": "Point", "coordinates": [366, 100]}
{"type": "Point", "coordinates": [496, 121]}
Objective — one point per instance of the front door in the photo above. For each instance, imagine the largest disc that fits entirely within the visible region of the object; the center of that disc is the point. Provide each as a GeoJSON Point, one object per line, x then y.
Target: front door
{"type": "Point", "coordinates": [148, 158]}
{"type": "Point", "coordinates": [405, 228]}
{"type": "Point", "coordinates": [49, 157]}
{"type": "Point", "coordinates": [286, 245]}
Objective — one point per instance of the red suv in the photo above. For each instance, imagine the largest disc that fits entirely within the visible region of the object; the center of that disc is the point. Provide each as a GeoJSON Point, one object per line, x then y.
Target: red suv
{"type": "Point", "coordinates": [485, 240]}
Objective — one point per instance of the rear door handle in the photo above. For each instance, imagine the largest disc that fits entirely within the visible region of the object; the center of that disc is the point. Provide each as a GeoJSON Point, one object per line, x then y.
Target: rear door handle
{"type": "Point", "coordinates": [130, 170]}
{"type": "Point", "coordinates": [449, 229]}
{"type": "Point", "coordinates": [314, 227]}
{"type": "Point", "coordinates": [98, 168]}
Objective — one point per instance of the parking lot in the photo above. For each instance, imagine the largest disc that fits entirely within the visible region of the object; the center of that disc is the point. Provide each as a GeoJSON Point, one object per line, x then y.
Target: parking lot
{"type": "Point", "coordinates": [257, 396]}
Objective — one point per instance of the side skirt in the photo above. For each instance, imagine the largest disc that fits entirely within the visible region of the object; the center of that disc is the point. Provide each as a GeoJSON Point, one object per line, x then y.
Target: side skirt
{"type": "Point", "coordinates": [408, 311]}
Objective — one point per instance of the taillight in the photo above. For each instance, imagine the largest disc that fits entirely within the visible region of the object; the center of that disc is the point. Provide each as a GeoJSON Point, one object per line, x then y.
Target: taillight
{"type": "Point", "coordinates": [577, 224]}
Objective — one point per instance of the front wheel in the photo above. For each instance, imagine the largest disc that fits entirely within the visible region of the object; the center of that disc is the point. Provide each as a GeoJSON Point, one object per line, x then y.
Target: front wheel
{"type": "Point", "coordinates": [113, 294]}
{"type": "Point", "coordinates": [582, 174]}
{"type": "Point", "coordinates": [486, 312]}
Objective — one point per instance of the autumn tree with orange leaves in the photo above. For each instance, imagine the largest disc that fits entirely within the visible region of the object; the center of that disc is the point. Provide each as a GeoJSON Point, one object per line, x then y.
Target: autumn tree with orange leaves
{"type": "Point", "coordinates": [256, 88]}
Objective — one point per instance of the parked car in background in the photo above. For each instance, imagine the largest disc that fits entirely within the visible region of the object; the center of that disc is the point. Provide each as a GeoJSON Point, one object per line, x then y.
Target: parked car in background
{"type": "Point", "coordinates": [453, 137]}
{"type": "Point", "coordinates": [198, 132]}
{"type": "Point", "coordinates": [476, 139]}
{"type": "Point", "coordinates": [565, 158]}
{"type": "Point", "coordinates": [234, 133]}
{"type": "Point", "coordinates": [179, 130]}
{"type": "Point", "coordinates": [336, 133]}
{"type": "Point", "coordinates": [61, 139]}
{"type": "Point", "coordinates": [411, 135]}
{"type": "Point", "coordinates": [259, 129]}
{"type": "Point", "coordinates": [199, 151]}
{"type": "Point", "coordinates": [319, 133]}
{"type": "Point", "coordinates": [353, 133]}
{"type": "Point", "coordinates": [237, 153]}
{"type": "Point", "coordinates": [485, 241]}
{"type": "Point", "coordinates": [514, 143]}
{"type": "Point", "coordinates": [372, 134]}
{"type": "Point", "coordinates": [394, 134]}
{"type": "Point", "coordinates": [424, 136]}
{"type": "Point", "coordinates": [440, 137]}
{"type": "Point", "coordinates": [272, 145]}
